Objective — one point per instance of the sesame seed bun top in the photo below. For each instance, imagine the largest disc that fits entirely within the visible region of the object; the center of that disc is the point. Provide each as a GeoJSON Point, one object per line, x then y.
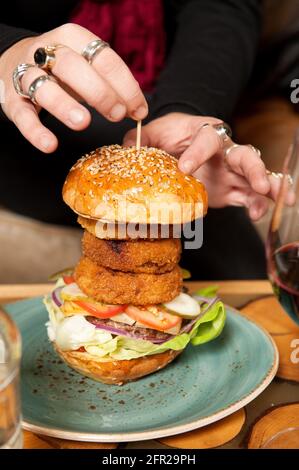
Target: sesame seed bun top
{"type": "Point", "coordinates": [123, 184]}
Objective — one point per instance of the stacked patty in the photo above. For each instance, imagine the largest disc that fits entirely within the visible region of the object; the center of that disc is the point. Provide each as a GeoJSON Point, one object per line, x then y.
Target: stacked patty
{"type": "Point", "coordinates": [116, 326]}
{"type": "Point", "coordinates": [141, 271]}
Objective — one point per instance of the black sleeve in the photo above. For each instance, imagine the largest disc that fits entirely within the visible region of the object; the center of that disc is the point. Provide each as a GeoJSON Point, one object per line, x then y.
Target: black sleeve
{"type": "Point", "coordinates": [9, 35]}
{"type": "Point", "coordinates": [211, 59]}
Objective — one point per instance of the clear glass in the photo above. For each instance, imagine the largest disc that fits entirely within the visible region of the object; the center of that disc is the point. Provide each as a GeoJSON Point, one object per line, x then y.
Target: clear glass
{"type": "Point", "coordinates": [10, 412]}
{"type": "Point", "coordinates": [283, 240]}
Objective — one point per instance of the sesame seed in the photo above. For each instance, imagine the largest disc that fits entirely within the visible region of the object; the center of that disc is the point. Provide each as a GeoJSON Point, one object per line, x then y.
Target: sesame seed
{"type": "Point", "coordinates": [134, 169]}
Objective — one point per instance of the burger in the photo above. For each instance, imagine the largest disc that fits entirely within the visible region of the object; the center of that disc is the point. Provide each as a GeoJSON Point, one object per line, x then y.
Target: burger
{"type": "Point", "coordinates": [123, 312]}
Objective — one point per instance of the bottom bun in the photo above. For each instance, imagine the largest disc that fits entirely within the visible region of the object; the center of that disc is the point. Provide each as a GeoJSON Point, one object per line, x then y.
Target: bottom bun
{"type": "Point", "coordinates": [116, 372]}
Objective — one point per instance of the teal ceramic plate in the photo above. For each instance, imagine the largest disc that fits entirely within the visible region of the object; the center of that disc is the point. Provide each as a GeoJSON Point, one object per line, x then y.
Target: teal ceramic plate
{"type": "Point", "coordinates": [204, 384]}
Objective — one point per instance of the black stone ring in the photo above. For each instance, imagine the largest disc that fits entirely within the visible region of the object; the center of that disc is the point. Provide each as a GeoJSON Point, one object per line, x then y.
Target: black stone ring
{"type": "Point", "coordinates": [44, 57]}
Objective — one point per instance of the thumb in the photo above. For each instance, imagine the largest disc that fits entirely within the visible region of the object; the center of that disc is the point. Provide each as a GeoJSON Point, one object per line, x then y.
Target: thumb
{"type": "Point", "coordinates": [130, 137]}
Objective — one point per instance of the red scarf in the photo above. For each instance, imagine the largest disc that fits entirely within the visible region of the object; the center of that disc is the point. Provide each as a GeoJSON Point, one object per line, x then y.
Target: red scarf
{"type": "Point", "coordinates": [133, 28]}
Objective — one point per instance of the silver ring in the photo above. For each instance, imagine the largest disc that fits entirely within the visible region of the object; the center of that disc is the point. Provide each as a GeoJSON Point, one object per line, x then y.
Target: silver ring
{"type": "Point", "coordinates": [229, 149]}
{"type": "Point", "coordinates": [223, 130]}
{"type": "Point", "coordinates": [36, 84]}
{"type": "Point", "coordinates": [257, 151]}
{"type": "Point", "coordinates": [93, 48]}
{"type": "Point", "coordinates": [280, 176]}
{"type": "Point", "coordinates": [17, 77]}
{"type": "Point", "coordinates": [206, 124]}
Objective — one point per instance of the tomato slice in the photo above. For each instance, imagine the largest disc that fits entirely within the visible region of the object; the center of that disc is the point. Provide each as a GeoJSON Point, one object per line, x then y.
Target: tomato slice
{"type": "Point", "coordinates": [100, 310]}
{"type": "Point", "coordinates": [68, 279]}
{"type": "Point", "coordinates": [154, 317]}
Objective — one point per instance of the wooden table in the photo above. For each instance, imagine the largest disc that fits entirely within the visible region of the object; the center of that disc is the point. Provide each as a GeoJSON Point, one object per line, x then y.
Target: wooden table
{"type": "Point", "coordinates": [234, 293]}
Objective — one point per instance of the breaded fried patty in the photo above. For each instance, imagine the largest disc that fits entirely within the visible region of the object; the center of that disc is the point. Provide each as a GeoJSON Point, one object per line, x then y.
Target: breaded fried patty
{"type": "Point", "coordinates": [116, 287]}
{"type": "Point", "coordinates": [116, 231]}
{"type": "Point", "coordinates": [136, 256]}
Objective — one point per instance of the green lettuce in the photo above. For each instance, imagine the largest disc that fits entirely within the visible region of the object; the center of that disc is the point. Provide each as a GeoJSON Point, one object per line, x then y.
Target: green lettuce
{"type": "Point", "coordinates": [205, 329]}
{"type": "Point", "coordinates": [210, 291]}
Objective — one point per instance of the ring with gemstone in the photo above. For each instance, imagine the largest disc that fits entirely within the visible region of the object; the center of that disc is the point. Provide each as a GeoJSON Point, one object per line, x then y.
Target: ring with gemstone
{"type": "Point", "coordinates": [93, 48]}
{"type": "Point", "coordinates": [44, 57]}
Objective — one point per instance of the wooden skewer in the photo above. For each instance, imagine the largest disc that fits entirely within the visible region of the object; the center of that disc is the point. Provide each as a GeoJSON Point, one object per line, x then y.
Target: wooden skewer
{"type": "Point", "coordinates": [138, 136]}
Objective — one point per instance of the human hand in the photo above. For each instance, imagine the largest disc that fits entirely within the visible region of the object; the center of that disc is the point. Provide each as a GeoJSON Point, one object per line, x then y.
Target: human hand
{"type": "Point", "coordinates": [107, 85]}
{"type": "Point", "coordinates": [237, 179]}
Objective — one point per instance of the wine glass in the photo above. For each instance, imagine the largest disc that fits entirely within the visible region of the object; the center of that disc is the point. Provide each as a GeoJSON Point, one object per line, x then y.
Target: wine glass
{"type": "Point", "coordinates": [283, 239]}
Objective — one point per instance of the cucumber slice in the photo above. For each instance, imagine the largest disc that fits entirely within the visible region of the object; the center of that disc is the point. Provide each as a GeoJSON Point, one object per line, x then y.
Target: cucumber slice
{"type": "Point", "coordinates": [184, 305]}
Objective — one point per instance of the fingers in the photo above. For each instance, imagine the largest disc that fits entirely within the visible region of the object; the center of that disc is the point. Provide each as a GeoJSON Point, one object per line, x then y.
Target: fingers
{"type": "Point", "coordinates": [60, 104]}
{"type": "Point", "coordinates": [275, 183]}
{"type": "Point", "coordinates": [205, 144]}
{"type": "Point", "coordinates": [75, 72]}
{"type": "Point", "coordinates": [110, 67]}
{"type": "Point", "coordinates": [242, 160]}
{"type": "Point", "coordinates": [256, 204]}
{"type": "Point", "coordinates": [259, 205]}
{"type": "Point", "coordinates": [116, 73]}
{"type": "Point", "coordinates": [25, 117]}
{"type": "Point", "coordinates": [245, 161]}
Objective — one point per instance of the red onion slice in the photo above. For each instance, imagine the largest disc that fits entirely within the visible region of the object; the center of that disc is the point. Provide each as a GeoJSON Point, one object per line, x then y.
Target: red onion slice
{"type": "Point", "coordinates": [130, 333]}
{"type": "Point", "coordinates": [56, 296]}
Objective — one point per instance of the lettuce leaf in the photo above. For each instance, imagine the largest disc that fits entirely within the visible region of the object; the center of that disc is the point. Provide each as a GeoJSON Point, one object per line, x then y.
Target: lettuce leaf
{"type": "Point", "coordinates": [211, 325]}
{"type": "Point", "coordinates": [102, 350]}
{"type": "Point", "coordinates": [210, 291]}
{"type": "Point", "coordinates": [205, 329]}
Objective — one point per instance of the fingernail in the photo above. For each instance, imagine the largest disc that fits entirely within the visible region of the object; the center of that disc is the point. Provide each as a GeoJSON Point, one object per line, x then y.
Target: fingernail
{"type": "Point", "coordinates": [187, 166]}
{"type": "Point", "coordinates": [140, 113]}
{"type": "Point", "coordinates": [45, 141]}
{"type": "Point", "coordinates": [118, 111]}
{"type": "Point", "coordinates": [76, 116]}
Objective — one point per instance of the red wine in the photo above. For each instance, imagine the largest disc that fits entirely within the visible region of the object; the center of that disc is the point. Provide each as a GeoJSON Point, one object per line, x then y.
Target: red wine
{"type": "Point", "coordinates": [284, 275]}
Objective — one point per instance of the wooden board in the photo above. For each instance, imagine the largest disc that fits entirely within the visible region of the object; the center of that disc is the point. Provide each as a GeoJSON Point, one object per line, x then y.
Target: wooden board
{"type": "Point", "coordinates": [66, 444]}
{"type": "Point", "coordinates": [235, 293]}
{"type": "Point", "coordinates": [211, 436]}
{"type": "Point", "coordinates": [33, 441]}
{"type": "Point", "coordinates": [288, 347]}
{"type": "Point", "coordinates": [273, 424]}
{"type": "Point", "coordinates": [269, 314]}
